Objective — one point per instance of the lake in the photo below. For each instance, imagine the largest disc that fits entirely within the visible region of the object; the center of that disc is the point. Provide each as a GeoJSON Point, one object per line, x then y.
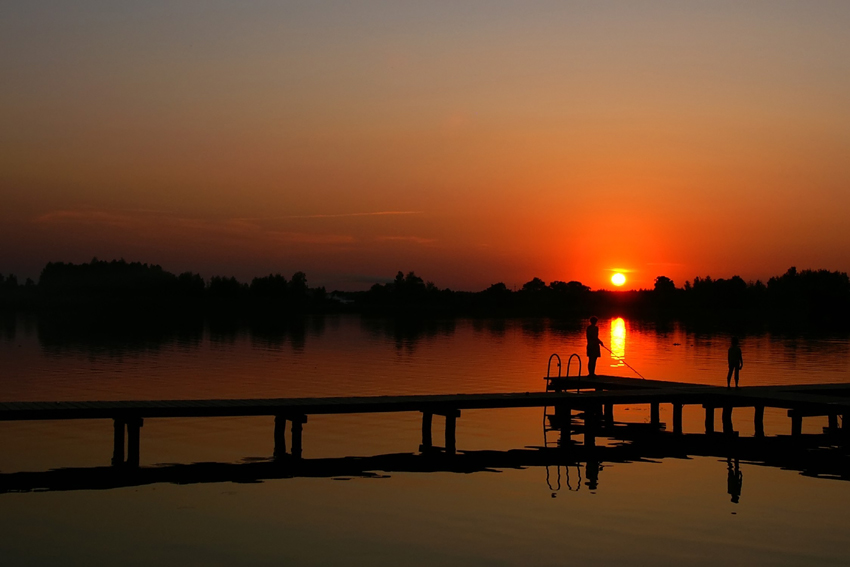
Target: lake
{"type": "Point", "coordinates": [666, 510]}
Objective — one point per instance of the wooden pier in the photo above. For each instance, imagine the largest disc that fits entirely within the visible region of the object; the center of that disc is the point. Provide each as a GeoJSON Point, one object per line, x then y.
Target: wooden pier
{"type": "Point", "coordinates": [595, 398]}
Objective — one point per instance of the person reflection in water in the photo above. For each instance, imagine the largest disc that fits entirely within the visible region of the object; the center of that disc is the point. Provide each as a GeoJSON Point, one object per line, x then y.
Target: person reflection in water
{"type": "Point", "coordinates": [734, 479]}
{"type": "Point", "coordinates": [736, 362]}
{"type": "Point", "coordinates": [593, 343]}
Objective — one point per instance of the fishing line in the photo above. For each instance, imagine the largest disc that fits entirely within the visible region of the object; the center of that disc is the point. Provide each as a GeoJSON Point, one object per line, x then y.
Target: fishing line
{"type": "Point", "coordinates": [623, 360]}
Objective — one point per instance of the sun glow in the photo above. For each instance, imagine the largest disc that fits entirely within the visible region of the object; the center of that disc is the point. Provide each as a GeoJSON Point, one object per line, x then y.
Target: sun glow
{"type": "Point", "coordinates": [618, 279]}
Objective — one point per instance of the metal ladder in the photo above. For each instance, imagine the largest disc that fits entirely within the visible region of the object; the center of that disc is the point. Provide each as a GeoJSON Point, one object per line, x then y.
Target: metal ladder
{"type": "Point", "coordinates": [552, 385]}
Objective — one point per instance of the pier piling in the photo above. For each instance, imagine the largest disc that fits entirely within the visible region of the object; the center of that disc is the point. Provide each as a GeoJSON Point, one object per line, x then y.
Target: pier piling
{"type": "Point", "coordinates": [297, 428]}
{"type": "Point", "coordinates": [133, 426]}
{"type": "Point", "coordinates": [677, 419]}
{"type": "Point", "coordinates": [118, 442]}
{"type": "Point", "coordinates": [728, 428]}
{"type": "Point", "coordinates": [427, 419]}
{"type": "Point", "coordinates": [279, 435]}
{"type": "Point", "coordinates": [709, 419]}
{"type": "Point", "coordinates": [451, 427]}
{"type": "Point", "coordinates": [796, 425]}
{"type": "Point", "coordinates": [758, 421]}
{"type": "Point", "coordinates": [563, 415]}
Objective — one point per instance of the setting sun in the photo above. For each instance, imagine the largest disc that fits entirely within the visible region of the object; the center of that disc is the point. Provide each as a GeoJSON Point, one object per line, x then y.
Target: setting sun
{"type": "Point", "coordinates": [618, 279]}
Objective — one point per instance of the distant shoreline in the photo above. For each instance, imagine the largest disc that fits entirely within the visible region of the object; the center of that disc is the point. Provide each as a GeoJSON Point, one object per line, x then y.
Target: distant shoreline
{"type": "Point", "coordinates": [805, 299]}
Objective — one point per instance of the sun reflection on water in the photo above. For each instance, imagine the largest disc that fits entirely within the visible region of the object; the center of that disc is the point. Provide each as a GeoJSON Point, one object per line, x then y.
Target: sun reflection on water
{"type": "Point", "coordinates": [618, 342]}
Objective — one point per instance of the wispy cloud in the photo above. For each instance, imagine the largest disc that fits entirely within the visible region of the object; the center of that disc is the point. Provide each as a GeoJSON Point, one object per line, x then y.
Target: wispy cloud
{"type": "Point", "coordinates": [310, 238]}
{"type": "Point", "coordinates": [116, 219]}
{"type": "Point", "coordinates": [345, 215]}
{"type": "Point", "coordinates": [147, 224]}
{"type": "Point", "coordinates": [415, 239]}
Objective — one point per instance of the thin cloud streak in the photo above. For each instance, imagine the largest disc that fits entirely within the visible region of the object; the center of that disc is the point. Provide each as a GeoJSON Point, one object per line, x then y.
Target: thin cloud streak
{"type": "Point", "coordinates": [416, 239]}
{"type": "Point", "coordinates": [146, 224]}
{"type": "Point", "coordinates": [346, 215]}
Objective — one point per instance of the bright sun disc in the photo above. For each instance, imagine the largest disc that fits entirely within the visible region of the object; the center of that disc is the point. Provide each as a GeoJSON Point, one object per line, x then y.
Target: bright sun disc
{"type": "Point", "coordinates": [618, 279]}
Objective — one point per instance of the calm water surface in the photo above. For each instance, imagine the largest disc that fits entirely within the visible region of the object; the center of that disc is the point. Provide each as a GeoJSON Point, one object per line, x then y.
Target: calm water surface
{"type": "Point", "coordinates": [665, 511]}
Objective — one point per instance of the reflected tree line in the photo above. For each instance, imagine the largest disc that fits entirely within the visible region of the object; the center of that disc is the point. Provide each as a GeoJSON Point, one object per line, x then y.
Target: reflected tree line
{"type": "Point", "coordinates": [813, 298]}
{"type": "Point", "coordinates": [114, 335]}
{"type": "Point", "coordinates": [61, 331]}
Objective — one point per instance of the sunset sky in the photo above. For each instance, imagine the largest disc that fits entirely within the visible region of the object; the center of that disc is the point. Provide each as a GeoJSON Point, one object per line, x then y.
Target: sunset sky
{"type": "Point", "coordinates": [472, 142]}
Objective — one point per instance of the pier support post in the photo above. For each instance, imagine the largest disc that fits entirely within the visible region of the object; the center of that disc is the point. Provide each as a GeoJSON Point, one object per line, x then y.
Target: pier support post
{"type": "Point", "coordinates": [563, 416]}
{"type": "Point", "coordinates": [833, 423]}
{"type": "Point", "coordinates": [709, 419]}
{"type": "Point", "coordinates": [758, 421]}
{"type": "Point", "coordinates": [297, 428]}
{"type": "Point", "coordinates": [118, 426]}
{"type": "Point", "coordinates": [845, 427]}
{"type": "Point", "coordinates": [451, 427]}
{"type": "Point", "coordinates": [655, 414]}
{"type": "Point", "coordinates": [427, 418]}
{"type": "Point", "coordinates": [279, 435]}
{"type": "Point", "coordinates": [677, 419]}
{"type": "Point", "coordinates": [727, 420]}
{"type": "Point", "coordinates": [133, 426]}
{"type": "Point", "coordinates": [609, 414]}
{"type": "Point", "coordinates": [796, 425]}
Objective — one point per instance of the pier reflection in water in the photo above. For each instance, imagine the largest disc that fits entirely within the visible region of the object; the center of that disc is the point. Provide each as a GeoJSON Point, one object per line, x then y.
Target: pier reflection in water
{"type": "Point", "coordinates": [812, 455]}
{"type": "Point", "coordinates": [642, 494]}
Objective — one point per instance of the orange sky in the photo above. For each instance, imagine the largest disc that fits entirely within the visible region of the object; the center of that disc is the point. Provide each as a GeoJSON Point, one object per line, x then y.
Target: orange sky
{"type": "Point", "coordinates": [471, 142]}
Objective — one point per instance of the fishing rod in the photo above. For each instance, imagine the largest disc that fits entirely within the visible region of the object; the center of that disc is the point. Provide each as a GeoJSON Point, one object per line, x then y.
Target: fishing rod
{"type": "Point", "coordinates": [621, 359]}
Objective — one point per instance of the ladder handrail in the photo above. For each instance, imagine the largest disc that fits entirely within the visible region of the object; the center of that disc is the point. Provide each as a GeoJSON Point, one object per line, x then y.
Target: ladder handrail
{"type": "Point", "coordinates": [569, 362]}
{"type": "Point", "coordinates": [549, 366]}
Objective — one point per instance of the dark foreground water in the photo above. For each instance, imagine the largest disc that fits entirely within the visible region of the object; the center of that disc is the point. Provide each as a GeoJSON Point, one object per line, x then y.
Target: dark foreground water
{"type": "Point", "coordinates": [659, 510]}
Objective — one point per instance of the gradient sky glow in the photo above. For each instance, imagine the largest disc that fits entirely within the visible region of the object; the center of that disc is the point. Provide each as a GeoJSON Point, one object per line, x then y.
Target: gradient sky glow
{"type": "Point", "coordinates": [472, 142]}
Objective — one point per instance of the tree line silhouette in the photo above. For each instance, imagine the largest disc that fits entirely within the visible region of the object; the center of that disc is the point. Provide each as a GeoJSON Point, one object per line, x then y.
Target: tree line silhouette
{"type": "Point", "coordinates": [819, 297]}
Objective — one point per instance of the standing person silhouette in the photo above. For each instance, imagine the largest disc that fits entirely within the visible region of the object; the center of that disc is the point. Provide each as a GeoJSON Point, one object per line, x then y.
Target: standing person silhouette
{"type": "Point", "coordinates": [593, 343]}
{"type": "Point", "coordinates": [736, 362]}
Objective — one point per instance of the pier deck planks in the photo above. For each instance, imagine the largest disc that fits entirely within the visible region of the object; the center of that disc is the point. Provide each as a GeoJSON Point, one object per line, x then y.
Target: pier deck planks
{"type": "Point", "coordinates": [814, 399]}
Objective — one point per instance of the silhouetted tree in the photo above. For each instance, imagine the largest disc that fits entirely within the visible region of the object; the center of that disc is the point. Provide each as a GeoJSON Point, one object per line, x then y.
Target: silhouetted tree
{"type": "Point", "coordinates": [818, 292]}
{"type": "Point", "coordinates": [298, 284]}
{"type": "Point", "coordinates": [191, 285]}
{"type": "Point", "coordinates": [222, 288]}
{"type": "Point", "coordinates": [536, 285]}
{"type": "Point", "coordinates": [663, 284]}
{"type": "Point", "coordinates": [497, 289]}
{"type": "Point", "coordinates": [270, 287]}
{"type": "Point", "coordinates": [571, 287]}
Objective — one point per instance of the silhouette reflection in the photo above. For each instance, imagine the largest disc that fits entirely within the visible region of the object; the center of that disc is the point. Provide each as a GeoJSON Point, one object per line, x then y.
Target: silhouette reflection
{"type": "Point", "coordinates": [734, 479]}
{"type": "Point", "coordinates": [811, 455]}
